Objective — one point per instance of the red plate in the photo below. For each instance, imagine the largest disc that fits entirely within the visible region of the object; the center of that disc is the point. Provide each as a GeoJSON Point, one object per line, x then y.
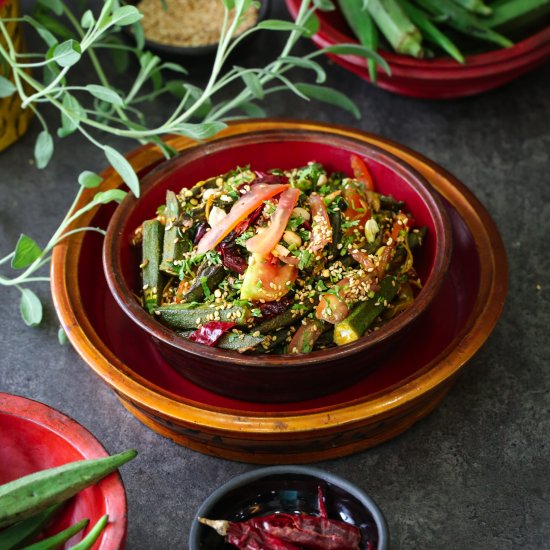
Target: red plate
{"type": "Point", "coordinates": [440, 78]}
{"type": "Point", "coordinates": [405, 388]}
{"type": "Point", "coordinates": [34, 437]}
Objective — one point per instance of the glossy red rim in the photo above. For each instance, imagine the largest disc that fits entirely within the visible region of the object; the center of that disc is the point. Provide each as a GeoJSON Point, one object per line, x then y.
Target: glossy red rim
{"type": "Point", "coordinates": [525, 52]}
{"type": "Point", "coordinates": [86, 445]}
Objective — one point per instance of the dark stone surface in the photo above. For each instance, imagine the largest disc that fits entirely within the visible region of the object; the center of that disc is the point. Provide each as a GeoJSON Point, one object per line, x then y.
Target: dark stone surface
{"type": "Point", "coordinates": [475, 473]}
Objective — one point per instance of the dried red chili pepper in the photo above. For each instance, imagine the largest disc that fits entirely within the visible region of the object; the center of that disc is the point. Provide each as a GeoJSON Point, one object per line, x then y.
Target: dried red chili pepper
{"type": "Point", "coordinates": [211, 332]}
{"type": "Point", "coordinates": [289, 531]}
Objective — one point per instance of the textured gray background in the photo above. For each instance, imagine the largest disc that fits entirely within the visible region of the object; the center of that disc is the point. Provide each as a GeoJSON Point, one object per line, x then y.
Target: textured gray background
{"type": "Point", "coordinates": [475, 473]}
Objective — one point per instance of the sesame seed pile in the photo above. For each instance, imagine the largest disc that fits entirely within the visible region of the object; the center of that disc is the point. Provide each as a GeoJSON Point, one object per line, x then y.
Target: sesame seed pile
{"type": "Point", "coordinates": [188, 22]}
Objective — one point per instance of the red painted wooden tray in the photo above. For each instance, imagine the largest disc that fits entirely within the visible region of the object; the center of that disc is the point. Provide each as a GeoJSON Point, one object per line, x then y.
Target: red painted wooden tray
{"type": "Point", "coordinates": [34, 437]}
{"type": "Point", "coordinates": [408, 385]}
{"type": "Point", "coordinates": [440, 78]}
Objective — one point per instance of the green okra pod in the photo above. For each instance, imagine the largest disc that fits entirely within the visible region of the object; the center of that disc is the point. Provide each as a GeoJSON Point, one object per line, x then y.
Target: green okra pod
{"type": "Point", "coordinates": [89, 540]}
{"type": "Point", "coordinates": [364, 313]}
{"type": "Point", "coordinates": [364, 28]}
{"type": "Point", "coordinates": [475, 6]}
{"type": "Point", "coordinates": [284, 319]}
{"type": "Point", "coordinates": [30, 495]}
{"type": "Point", "coordinates": [153, 279]}
{"type": "Point", "coordinates": [18, 534]}
{"type": "Point", "coordinates": [462, 21]}
{"type": "Point", "coordinates": [511, 14]}
{"type": "Point", "coordinates": [396, 26]}
{"type": "Point", "coordinates": [175, 242]}
{"type": "Point", "coordinates": [431, 32]}
{"type": "Point", "coordinates": [181, 316]}
{"type": "Point", "coordinates": [58, 540]}
{"type": "Point", "coordinates": [209, 276]}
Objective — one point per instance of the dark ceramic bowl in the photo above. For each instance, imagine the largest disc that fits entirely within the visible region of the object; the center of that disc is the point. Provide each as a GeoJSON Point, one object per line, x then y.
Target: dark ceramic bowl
{"type": "Point", "coordinates": [199, 52]}
{"type": "Point", "coordinates": [275, 378]}
{"type": "Point", "coordinates": [289, 489]}
{"type": "Point", "coordinates": [441, 77]}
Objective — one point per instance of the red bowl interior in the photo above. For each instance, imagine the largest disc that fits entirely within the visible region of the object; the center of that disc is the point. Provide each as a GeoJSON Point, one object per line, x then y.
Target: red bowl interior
{"type": "Point", "coordinates": [441, 77]}
{"type": "Point", "coordinates": [34, 437]}
{"type": "Point", "coordinates": [264, 151]}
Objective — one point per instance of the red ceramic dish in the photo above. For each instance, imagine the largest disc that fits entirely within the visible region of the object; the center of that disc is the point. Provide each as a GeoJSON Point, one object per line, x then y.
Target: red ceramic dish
{"type": "Point", "coordinates": [410, 383]}
{"type": "Point", "coordinates": [440, 78]}
{"type": "Point", "coordinates": [274, 378]}
{"type": "Point", "coordinates": [34, 437]}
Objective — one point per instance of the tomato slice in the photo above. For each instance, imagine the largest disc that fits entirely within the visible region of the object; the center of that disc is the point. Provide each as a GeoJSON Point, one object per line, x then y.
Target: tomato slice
{"type": "Point", "coordinates": [361, 172]}
{"type": "Point", "coordinates": [258, 193]}
{"type": "Point", "coordinates": [264, 280]}
{"type": "Point", "coordinates": [357, 210]}
{"type": "Point", "coordinates": [263, 243]}
{"type": "Point", "coordinates": [321, 232]}
{"type": "Point", "coordinates": [331, 309]}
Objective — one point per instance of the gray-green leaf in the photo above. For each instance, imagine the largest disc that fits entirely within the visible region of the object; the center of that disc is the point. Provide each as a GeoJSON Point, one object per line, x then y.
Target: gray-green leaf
{"type": "Point", "coordinates": [126, 15]}
{"type": "Point", "coordinates": [254, 84]}
{"type": "Point", "coordinates": [89, 179]}
{"type": "Point", "coordinates": [139, 35]}
{"type": "Point", "coordinates": [43, 149]}
{"type": "Point", "coordinates": [70, 117]}
{"type": "Point", "coordinates": [87, 19]}
{"type": "Point", "coordinates": [104, 197]}
{"type": "Point", "coordinates": [124, 168]}
{"type": "Point", "coordinates": [46, 35]}
{"type": "Point", "coordinates": [311, 25]}
{"type": "Point", "coordinates": [54, 5]}
{"type": "Point", "coordinates": [174, 67]}
{"type": "Point", "coordinates": [201, 131]}
{"type": "Point", "coordinates": [7, 87]}
{"type": "Point", "coordinates": [323, 5]}
{"type": "Point", "coordinates": [105, 94]}
{"type": "Point", "coordinates": [62, 336]}
{"type": "Point", "coordinates": [251, 109]}
{"type": "Point", "coordinates": [276, 25]}
{"type": "Point", "coordinates": [306, 63]}
{"type": "Point", "coordinates": [329, 95]}
{"type": "Point", "coordinates": [30, 307]}
{"type": "Point", "coordinates": [26, 252]}
{"type": "Point", "coordinates": [67, 53]}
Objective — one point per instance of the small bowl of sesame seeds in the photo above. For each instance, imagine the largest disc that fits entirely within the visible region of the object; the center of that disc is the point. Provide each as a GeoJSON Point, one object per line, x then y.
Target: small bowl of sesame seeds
{"type": "Point", "coordinates": [190, 27]}
{"type": "Point", "coordinates": [276, 371]}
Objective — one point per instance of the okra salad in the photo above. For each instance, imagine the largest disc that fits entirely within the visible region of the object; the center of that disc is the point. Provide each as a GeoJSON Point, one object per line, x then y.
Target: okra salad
{"type": "Point", "coordinates": [284, 261]}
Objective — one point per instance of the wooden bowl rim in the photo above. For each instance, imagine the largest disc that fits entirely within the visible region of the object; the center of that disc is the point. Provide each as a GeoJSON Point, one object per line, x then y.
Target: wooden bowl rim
{"type": "Point", "coordinates": [126, 300]}
{"type": "Point", "coordinates": [157, 401]}
{"type": "Point", "coordinates": [86, 444]}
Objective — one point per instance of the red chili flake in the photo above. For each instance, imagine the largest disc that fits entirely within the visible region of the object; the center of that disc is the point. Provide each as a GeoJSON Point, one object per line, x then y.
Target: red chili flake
{"type": "Point", "coordinates": [289, 531]}
{"type": "Point", "coordinates": [264, 177]}
{"type": "Point", "coordinates": [270, 309]}
{"type": "Point", "coordinates": [231, 257]}
{"type": "Point", "coordinates": [211, 332]}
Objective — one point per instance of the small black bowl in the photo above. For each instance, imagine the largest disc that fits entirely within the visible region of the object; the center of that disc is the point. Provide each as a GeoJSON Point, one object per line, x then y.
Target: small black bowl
{"type": "Point", "coordinates": [174, 52]}
{"type": "Point", "coordinates": [288, 489]}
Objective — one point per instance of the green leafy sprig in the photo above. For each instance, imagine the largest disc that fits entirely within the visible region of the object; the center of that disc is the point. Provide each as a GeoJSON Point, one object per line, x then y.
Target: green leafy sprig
{"type": "Point", "coordinates": [100, 107]}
